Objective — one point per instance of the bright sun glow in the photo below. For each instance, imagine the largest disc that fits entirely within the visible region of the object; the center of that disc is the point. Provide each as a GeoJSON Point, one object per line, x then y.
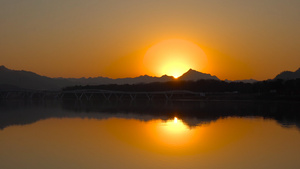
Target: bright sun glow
{"type": "Point", "coordinates": [174, 132]}
{"type": "Point", "coordinates": [175, 127]}
{"type": "Point", "coordinates": [175, 119]}
{"type": "Point", "coordinates": [174, 57]}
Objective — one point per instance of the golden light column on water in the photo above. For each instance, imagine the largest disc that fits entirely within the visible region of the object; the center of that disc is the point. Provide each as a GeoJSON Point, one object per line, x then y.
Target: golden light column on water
{"type": "Point", "coordinates": [174, 136]}
{"type": "Point", "coordinates": [173, 132]}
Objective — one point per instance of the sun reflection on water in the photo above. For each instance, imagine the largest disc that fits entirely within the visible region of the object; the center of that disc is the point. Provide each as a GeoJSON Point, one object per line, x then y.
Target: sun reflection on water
{"type": "Point", "coordinates": [173, 132]}
{"type": "Point", "coordinates": [175, 136]}
{"type": "Point", "coordinates": [154, 143]}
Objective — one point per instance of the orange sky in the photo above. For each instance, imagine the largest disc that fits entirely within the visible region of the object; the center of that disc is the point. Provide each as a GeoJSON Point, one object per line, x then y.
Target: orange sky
{"type": "Point", "coordinates": [75, 38]}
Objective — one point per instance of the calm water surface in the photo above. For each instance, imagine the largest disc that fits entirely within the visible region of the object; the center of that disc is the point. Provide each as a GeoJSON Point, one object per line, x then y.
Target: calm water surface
{"type": "Point", "coordinates": [55, 135]}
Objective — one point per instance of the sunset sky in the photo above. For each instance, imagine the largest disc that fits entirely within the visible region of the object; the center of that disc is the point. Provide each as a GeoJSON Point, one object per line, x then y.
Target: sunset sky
{"type": "Point", "coordinates": [231, 39]}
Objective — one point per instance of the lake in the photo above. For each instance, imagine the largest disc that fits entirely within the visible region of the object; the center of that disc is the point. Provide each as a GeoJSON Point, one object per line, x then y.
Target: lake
{"type": "Point", "coordinates": [183, 134]}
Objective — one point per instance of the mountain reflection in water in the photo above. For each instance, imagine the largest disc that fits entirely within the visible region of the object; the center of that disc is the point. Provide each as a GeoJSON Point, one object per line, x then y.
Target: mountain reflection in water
{"type": "Point", "coordinates": [192, 113]}
{"type": "Point", "coordinates": [229, 135]}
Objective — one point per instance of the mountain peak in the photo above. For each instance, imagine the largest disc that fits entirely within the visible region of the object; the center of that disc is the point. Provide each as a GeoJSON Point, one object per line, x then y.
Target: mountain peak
{"type": "Point", "coordinates": [287, 75]}
{"type": "Point", "coordinates": [195, 75]}
{"type": "Point", "coordinates": [3, 68]}
{"type": "Point", "coordinates": [191, 70]}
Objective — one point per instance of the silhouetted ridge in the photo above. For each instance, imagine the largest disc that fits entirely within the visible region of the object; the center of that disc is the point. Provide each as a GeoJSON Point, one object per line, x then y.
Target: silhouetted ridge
{"type": "Point", "coordinates": [3, 69]}
{"type": "Point", "coordinates": [288, 75]}
{"type": "Point", "coordinates": [195, 75]}
{"type": "Point", "coordinates": [30, 80]}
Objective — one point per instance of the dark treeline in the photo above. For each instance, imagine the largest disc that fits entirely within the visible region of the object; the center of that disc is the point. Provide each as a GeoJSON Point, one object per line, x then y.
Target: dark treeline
{"type": "Point", "coordinates": [289, 87]}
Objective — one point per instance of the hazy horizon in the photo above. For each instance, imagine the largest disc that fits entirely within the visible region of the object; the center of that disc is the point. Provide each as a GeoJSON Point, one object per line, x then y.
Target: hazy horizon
{"type": "Point", "coordinates": [235, 39]}
{"type": "Point", "coordinates": [142, 75]}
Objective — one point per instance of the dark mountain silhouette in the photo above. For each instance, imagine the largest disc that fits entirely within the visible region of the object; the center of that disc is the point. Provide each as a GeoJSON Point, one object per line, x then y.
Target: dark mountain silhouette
{"type": "Point", "coordinates": [29, 80]}
{"type": "Point", "coordinates": [289, 75]}
{"type": "Point", "coordinates": [195, 75]}
{"type": "Point", "coordinates": [20, 79]}
{"type": "Point", "coordinates": [3, 69]}
{"type": "Point", "coordinates": [106, 80]}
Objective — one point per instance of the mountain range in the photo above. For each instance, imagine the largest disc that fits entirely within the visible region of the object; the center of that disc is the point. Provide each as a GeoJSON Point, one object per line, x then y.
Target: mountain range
{"type": "Point", "coordinates": [21, 79]}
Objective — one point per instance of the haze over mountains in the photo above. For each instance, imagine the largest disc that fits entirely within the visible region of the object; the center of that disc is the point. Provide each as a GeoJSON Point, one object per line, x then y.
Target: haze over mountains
{"type": "Point", "coordinates": [20, 79]}
{"type": "Point", "coordinates": [16, 79]}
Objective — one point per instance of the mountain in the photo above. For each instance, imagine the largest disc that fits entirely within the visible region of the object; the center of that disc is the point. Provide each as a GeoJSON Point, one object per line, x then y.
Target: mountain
{"type": "Point", "coordinates": [20, 79]}
{"type": "Point", "coordinates": [195, 75]}
{"type": "Point", "coordinates": [30, 80]}
{"type": "Point", "coordinates": [288, 75]}
{"type": "Point", "coordinates": [3, 69]}
{"type": "Point", "coordinates": [106, 80]}
{"type": "Point", "coordinates": [17, 79]}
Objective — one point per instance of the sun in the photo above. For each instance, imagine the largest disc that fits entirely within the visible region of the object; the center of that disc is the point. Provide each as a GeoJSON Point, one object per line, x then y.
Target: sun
{"type": "Point", "coordinates": [175, 120]}
{"type": "Point", "coordinates": [174, 57]}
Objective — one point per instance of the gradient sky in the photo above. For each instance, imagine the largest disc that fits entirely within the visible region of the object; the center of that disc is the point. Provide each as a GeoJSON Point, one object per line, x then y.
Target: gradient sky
{"type": "Point", "coordinates": [87, 38]}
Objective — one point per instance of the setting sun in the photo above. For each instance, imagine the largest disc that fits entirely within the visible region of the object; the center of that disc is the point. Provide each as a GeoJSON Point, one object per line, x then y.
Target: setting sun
{"type": "Point", "coordinates": [174, 57]}
{"type": "Point", "coordinates": [175, 119]}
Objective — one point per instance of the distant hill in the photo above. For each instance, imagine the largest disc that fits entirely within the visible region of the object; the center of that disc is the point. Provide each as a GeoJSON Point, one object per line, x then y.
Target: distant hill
{"type": "Point", "coordinates": [106, 80]}
{"type": "Point", "coordinates": [288, 75]}
{"type": "Point", "coordinates": [20, 79]}
{"type": "Point", "coordinates": [195, 75]}
{"type": "Point", "coordinates": [30, 80]}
